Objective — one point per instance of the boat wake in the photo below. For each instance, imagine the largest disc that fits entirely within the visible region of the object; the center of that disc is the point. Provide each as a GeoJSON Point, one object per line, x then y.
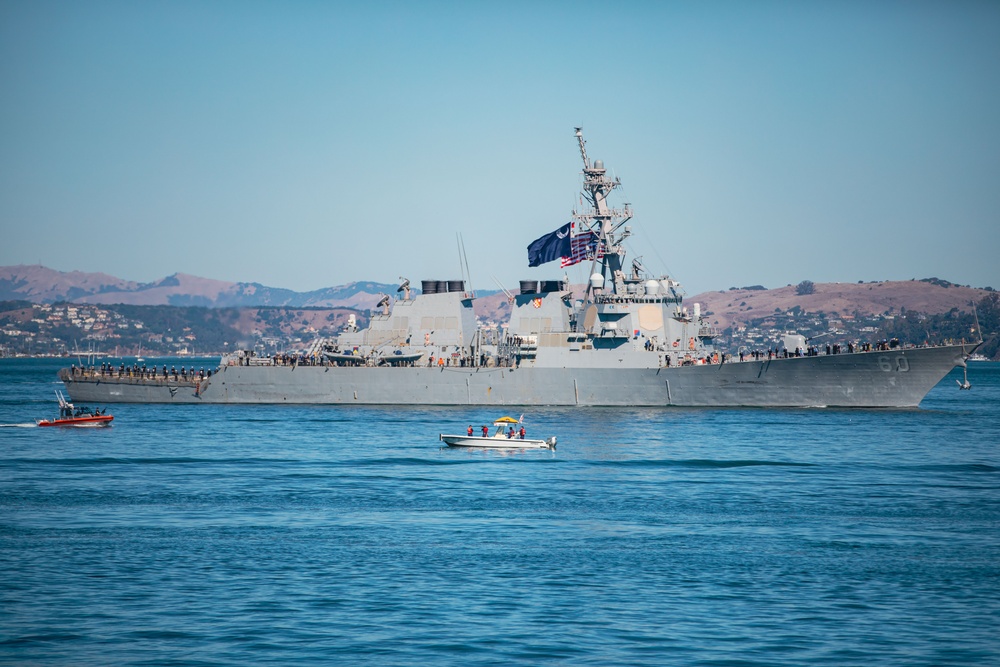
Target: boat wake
{"type": "Point", "coordinates": [32, 425]}
{"type": "Point", "coordinates": [704, 463]}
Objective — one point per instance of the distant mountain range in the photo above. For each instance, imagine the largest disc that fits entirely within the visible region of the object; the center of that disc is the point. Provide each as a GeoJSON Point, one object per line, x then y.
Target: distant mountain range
{"type": "Point", "coordinates": [39, 284]}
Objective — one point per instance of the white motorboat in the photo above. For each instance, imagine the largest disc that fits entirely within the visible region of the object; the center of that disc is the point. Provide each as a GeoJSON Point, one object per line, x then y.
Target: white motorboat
{"type": "Point", "coordinates": [505, 437]}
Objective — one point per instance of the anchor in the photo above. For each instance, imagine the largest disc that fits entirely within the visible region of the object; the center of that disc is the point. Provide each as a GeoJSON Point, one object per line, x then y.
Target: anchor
{"type": "Point", "coordinates": [964, 384]}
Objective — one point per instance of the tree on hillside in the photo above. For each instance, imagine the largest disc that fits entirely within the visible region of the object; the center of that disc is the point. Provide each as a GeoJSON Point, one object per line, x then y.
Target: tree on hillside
{"type": "Point", "coordinates": [805, 287]}
{"type": "Point", "coordinates": [988, 310]}
{"type": "Point", "coordinates": [952, 326]}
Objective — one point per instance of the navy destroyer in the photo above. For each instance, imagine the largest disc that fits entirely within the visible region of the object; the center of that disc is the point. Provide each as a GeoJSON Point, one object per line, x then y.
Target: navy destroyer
{"type": "Point", "coordinates": [626, 339]}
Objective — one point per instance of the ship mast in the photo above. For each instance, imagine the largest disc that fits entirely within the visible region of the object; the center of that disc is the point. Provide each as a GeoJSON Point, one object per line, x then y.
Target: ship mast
{"type": "Point", "coordinates": [601, 219]}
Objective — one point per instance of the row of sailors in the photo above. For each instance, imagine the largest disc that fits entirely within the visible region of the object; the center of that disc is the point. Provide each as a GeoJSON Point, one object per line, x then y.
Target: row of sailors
{"type": "Point", "coordinates": [814, 350]}
{"type": "Point", "coordinates": [250, 358]}
{"type": "Point", "coordinates": [442, 360]}
{"type": "Point", "coordinates": [811, 351]}
{"type": "Point", "coordinates": [772, 353]}
{"type": "Point", "coordinates": [136, 371]}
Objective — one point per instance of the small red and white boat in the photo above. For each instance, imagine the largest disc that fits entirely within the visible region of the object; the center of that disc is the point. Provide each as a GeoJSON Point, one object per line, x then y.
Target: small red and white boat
{"type": "Point", "coordinates": [69, 415]}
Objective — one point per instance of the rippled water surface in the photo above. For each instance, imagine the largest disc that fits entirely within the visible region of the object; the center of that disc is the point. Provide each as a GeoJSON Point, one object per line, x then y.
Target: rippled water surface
{"type": "Point", "coordinates": [230, 535]}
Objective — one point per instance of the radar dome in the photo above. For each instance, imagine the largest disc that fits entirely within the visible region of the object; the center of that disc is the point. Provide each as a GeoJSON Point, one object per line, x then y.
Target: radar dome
{"type": "Point", "coordinates": [597, 281]}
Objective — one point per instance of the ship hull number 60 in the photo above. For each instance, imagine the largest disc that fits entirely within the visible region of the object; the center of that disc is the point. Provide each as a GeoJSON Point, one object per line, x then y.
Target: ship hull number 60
{"type": "Point", "coordinates": [898, 364]}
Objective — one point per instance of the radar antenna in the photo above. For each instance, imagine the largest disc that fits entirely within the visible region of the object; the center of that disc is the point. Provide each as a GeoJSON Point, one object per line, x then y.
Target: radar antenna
{"type": "Point", "coordinates": [383, 303]}
{"type": "Point", "coordinates": [638, 269]}
{"type": "Point", "coordinates": [404, 288]}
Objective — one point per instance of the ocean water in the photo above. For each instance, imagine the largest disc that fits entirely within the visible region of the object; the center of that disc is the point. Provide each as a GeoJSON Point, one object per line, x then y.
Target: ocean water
{"type": "Point", "coordinates": [280, 535]}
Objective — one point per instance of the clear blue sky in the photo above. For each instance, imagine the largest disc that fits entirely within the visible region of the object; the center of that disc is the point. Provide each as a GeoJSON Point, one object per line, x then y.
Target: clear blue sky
{"type": "Point", "coordinates": [309, 144]}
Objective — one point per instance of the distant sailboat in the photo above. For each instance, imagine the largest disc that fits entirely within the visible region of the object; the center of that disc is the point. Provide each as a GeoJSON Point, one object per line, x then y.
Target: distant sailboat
{"type": "Point", "coordinates": [90, 353]}
{"type": "Point", "coordinates": [139, 356]}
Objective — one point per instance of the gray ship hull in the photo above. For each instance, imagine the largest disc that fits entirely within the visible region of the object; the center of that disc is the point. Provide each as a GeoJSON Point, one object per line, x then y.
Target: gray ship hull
{"type": "Point", "coordinates": [884, 379]}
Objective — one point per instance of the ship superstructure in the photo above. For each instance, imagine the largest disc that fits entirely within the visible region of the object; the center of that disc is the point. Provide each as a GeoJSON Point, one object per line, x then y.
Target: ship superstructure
{"type": "Point", "coordinates": [626, 318]}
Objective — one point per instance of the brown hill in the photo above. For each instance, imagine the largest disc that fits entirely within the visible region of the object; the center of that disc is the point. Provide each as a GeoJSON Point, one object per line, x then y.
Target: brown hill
{"type": "Point", "coordinates": [255, 322]}
{"type": "Point", "coordinates": [844, 299]}
{"type": "Point", "coordinates": [492, 308]}
{"type": "Point", "coordinates": [163, 291]}
{"type": "Point", "coordinates": [39, 284]}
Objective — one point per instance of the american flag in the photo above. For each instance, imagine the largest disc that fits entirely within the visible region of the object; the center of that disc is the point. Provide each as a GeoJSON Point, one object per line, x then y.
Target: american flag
{"type": "Point", "coordinates": [583, 246]}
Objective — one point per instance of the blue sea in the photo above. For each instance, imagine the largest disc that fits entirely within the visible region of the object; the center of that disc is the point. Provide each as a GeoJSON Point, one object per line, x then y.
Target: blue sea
{"type": "Point", "coordinates": [284, 535]}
